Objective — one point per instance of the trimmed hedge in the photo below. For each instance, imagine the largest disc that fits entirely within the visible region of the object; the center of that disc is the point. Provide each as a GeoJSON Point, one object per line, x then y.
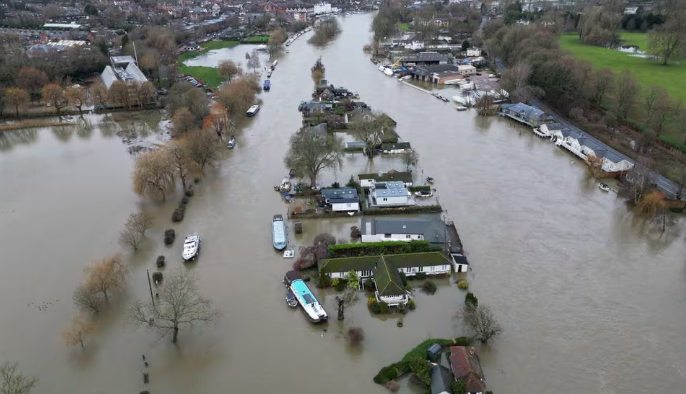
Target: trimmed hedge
{"type": "Point", "coordinates": [412, 359]}
{"type": "Point", "coordinates": [401, 210]}
{"type": "Point", "coordinates": [378, 248]}
{"type": "Point", "coordinates": [426, 188]}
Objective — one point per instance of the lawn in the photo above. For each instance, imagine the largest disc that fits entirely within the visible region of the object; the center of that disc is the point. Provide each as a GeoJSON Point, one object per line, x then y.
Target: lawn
{"type": "Point", "coordinates": [209, 75]}
{"type": "Point", "coordinates": [404, 26]}
{"type": "Point", "coordinates": [647, 72]}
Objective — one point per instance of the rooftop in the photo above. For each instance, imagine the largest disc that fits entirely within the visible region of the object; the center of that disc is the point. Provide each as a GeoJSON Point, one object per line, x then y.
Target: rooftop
{"type": "Point", "coordinates": [387, 278]}
{"type": "Point", "coordinates": [431, 227]}
{"type": "Point", "coordinates": [345, 264]}
{"type": "Point", "coordinates": [529, 111]}
{"type": "Point", "coordinates": [466, 366]}
{"type": "Point", "coordinates": [425, 57]}
{"type": "Point", "coordinates": [391, 175]}
{"type": "Point", "coordinates": [397, 145]}
{"type": "Point", "coordinates": [343, 194]}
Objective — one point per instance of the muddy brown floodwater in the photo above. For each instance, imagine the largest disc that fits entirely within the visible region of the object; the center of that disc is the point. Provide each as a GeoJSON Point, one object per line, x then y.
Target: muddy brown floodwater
{"type": "Point", "coordinates": [589, 302]}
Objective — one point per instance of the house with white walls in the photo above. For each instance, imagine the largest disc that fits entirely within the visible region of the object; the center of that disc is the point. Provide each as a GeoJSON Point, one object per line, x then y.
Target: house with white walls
{"type": "Point", "coordinates": [389, 194]}
{"type": "Point", "coordinates": [367, 180]}
{"type": "Point", "coordinates": [342, 199]}
{"type": "Point", "coordinates": [424, 228]}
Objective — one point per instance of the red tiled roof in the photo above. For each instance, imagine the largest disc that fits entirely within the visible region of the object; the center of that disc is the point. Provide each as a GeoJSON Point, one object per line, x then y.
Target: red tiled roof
{"type": "Point", "coordinates": [465, 366]}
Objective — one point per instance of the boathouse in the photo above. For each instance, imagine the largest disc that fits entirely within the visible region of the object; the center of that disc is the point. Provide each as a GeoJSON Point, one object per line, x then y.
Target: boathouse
{"type": "Point", "coordinates": [343, 199]}
{"type": "Point", "coordinates": [526, 114]}
{"type": "Point", "coordinates": [410, 264]}
{"type": "Point", "coordinates": [367, 180]}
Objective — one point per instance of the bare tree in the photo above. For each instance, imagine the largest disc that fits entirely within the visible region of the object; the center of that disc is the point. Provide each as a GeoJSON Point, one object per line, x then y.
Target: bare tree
{"type": "Point", "coordinates": [626, 92]}
{"type": "Point", "coordinates": [254, 61]}
{"type": "Point", "coordinates": [203, 148]}
{"type": "Point", "coordinates": [78, 331]}
{"type": "Point", "coordinates": [87, 298]}
{"type": "Point", "coordinates": [130, 239]}
{"type": "Point", "coordinates": [99, 94]}
{"type": "Point", "coordinates": [182, 160]}
{"type": "Point", "coordinates": [369, 128]}
{"type": "Point", "coordinates": [678, 173]}
{"type": "Point", "coordinates": [54, 94]}
{"type": "Point", "coordinates": [663, 110]}
{"type": "Point", "coordinates": [228, 69]}
{"type": "Point", "coordinates": [134, 230]}
{"type": "Point", "coordinates": [183, 121]}
{"type": "Point", "coordinates": [669, 39]}
{"type": "Point", "coordinates": [177, 306]}
{"type": "Point", "coordinates": [601, 83]}
{"type": "Point", "coordinates": [410, 159]}
{"type": "Point", "coordinates": [637, 181]}
{"type": "Point", "coordinates": [310, 152]}
{"type": "Point", "coordinates": [15, 98]}
{"type": "Point", "coordinates": [482, 321]}
{"type": "Point", "coordinates": [153, 175]}
{"type": "Point", "coordinates": [651, 99]}
{"type": "Point", "coordinates": [14, 382]}
{"type": "Point", "coordinates": [107, 275]}
{"type": "Point", "coordinates": [275, 42]}
{"type": "Point", "coordinates": [77, 97]}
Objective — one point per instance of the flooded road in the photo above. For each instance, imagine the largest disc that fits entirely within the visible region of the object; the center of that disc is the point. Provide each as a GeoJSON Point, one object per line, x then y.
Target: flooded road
{"type": "Point", "coordinates": [588, 302]}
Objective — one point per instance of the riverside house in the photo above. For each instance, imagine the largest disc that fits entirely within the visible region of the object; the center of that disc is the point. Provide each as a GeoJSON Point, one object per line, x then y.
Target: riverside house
{"type": "Point", "coordinates": [367, 180]}
{"type": "Point", "coordinates": [389, 194]}
{"type": "Point", "coordinates": [465, 365]}
{"type": "Point", "coordinates": [343, 199]}
{"type": "Point", "coordinates": [410, 264]}
{"type": "Point", "coordinates": [523, 113]}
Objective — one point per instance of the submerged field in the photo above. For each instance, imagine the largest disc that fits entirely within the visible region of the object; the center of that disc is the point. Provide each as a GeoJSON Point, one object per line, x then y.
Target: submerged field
{"type": "Point", "coordinates": [208, 75]}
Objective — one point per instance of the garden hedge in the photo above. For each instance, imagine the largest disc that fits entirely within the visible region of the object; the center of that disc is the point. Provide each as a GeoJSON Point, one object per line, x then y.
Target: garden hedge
{"type": "Point", "coordinates": [379, 248]}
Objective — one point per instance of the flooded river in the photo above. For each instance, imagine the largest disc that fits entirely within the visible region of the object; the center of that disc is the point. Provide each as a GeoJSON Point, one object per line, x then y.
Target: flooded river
{"type": "Point", "coordinates": [588, 302]}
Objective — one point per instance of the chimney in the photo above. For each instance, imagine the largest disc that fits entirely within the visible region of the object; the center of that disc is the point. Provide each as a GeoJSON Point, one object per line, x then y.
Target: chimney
{"type": "Point", "coordinates": [472, 351]}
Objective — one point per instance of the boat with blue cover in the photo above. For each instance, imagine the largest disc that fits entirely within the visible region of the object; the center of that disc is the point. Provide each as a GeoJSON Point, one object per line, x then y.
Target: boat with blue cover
{"type": "Point", "coordinates": [279, 238]}
{"type": "Point", "coordinates": [307, 301]}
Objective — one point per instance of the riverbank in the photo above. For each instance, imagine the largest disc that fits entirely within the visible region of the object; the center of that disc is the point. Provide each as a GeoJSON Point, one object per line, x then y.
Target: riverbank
{"type": "Point", "coordinates": [31, 124]}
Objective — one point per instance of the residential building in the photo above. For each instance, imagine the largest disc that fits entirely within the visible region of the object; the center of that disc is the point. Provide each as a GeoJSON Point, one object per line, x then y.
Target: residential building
{"type": "Point", "coordinates": [424, 228]}
{"type": "Point", "coordinates": [466, 69]}
{"type": "Point", "coordinates": [389, 194]}
{"type": "Point", "coordinates": [425, 58]}
{"type": "Point", "coordinates": [342, 199]}
{"type": "Point", "coordinates": [414, 45]}
{"type": "Point", "coordinates": [613, 163]}
{"type": "Point", "coordinates": [523, 113]}
{"type": "Point", "coordinates": [440, 379]}
{"type": "Point", "coordinates": [473, 52]}
{"type": "Point", "coordinates": [465, 365]}
{"type": "Point", "coordinates": [389, 287]}
{"type": "Point", "coordinates": [410, 264]}
{"type": "Point", "coordinates": [398, 147]}
{"type": "Point", "coordinates": [366, 180]}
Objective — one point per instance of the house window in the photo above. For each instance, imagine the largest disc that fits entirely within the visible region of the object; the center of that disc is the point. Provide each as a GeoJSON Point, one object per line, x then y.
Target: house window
{"type": "Point", "coordinates": [421, 269]}
{"type": "Point", "coordinates": [408, 236]}
{"type": "Point", "coordinates": [367, 273]}
{"type": "Point", "coordinates": [387, 235]}
{"type": "Point", "coordinates": [385, 199]}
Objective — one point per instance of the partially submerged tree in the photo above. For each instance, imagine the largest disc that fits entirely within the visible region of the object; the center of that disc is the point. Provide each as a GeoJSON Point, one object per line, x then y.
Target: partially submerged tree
{"type": "Point", "coordinates": [218, 120]}
{"type": "Point", "coordinates": [482, 321]}
{"type": "Point", "coordinates": [134, 230]}
{"type": "Point", "coordinates": [651, 203]}
{"type": "Point", "coordinates": [183, 121]}
{"type": "Point", "coordinates": [14, 382]}
{"type": "Point", "coordinates": [178, 305]}
{"type": "Point", "coordinates": [55, 94]}
{"type": "Point", "coordinates": [87, 298]}
{"type": "Point", "coordinates": [254, 61]}
{"type": "Point", "coordinates": [310, 152]}
{"type": "Point", "coordinates": [77, 333]}
{"type": "Point", "coordinates": [99, 94]}
{"type": "Point", "coordinates": [203, 148]}
{"type": "Point", "coordinates": [77, 97]}
{"type": "Point", "coordinates": [410, 159]}
{"type": "Point", "coordinates": [369, 128]}
{"type": "Point", "coordinates": [107, 275]}
{"type": "Point", "coordinates": [275, 42]}
{"type": "Point", "coordinates": [153, 175]}
{"type": "Point", "coordinates": [228, 70]}
{"type": "Point", "coordinates": [182, 160]}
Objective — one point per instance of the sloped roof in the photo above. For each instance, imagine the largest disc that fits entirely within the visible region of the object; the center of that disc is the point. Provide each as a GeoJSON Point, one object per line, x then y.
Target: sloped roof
{"type": "Point", "coordinates": [387, 279]}
{"type": "Point", "coordinates": [397, 145]}
{"type": "Point", "coordinates": [108, 77]}
{"type": "Point", "coordinates": [466, 366]}
{"type": "Point", "coordinates": [529, 111]}
{"type": "Point", "coordinates": [344, 264]}
{"type": "Point", "coordinates": [340, 195]}
{"type": "Point", "coordinates": [440, 379]}
{"type": "Point", "coordinates": [431, 227]}
{"type": "Point", "coordinates": [392, 175]}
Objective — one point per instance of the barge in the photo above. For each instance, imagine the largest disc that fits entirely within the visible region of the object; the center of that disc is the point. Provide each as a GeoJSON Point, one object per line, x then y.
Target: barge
{"type": "Point", "coordinates": [307, 301]}
{"type": "Point", "coordinates": [279, 233]}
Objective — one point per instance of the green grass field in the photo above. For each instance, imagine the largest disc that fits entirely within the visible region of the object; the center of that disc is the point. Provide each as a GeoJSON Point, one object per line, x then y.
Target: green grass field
{"type": "Point", "coordinates": [257, 39]}
{"type": "Point", "coordinates": [404, 26]}
{"type": "Point", "coordinates": [647, 72]}
{"type": "Point", "coordinates": [209, 75]}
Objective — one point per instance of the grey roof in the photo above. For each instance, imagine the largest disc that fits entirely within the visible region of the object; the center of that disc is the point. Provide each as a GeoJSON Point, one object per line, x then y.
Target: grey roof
{"type": "Point", "coordinates": [430, 226]}
{"type": "Point", "coordinates": [135, 73]}
{"type": "Point", "coordinates": [439, 68]}
{"type": "Point", "coordinates": [441, 377]}
{"type": "Point", "coordinates": [108, 77]}
{"type": "Point", "coordinates": [397, 145]}
{"type": "Point", "coordinates": [425, 57]}
{"type": "Point", "coordinates": [340, 195]}
{"type": "Point", "coordinates": [529, 111]}
{"type": "Point", "coordinates": [390, 189]}
{"type": "Point", "coordinates": [555, 126]}
{"type": "Point", "coordinates": [392, 175]}
{"type": "Point", "coordinates": [122, 59]}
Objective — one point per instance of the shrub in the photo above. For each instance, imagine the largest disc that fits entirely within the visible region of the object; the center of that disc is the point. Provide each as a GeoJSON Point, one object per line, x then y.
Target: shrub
{"type": "Point", "coordinates": [369, 284]}
{"type": "Point", "coordinates": [169, 236]}
{"type": "Point", "coordinates": [177, 216]}
{"type": "Point", "coordinates": [352, 183]}
{"type": "Point", "coordinates": [324, 238]}
{"type": "Point", "coordinates": [374, 306]}
{"type": "Point", "coordinates": [470, 301]}
{"type": "Point", "coordinates": [355, 336]}
{"type": "Point", "coordinates": [458, 386]}
{"type": "Point", "coordinates": [403, 278]}
{"type": "Point", "coordinates": [676, 210]}
{"type": "Point", "coordinates": [420, 275]}
{"type": "Point", "coordinates": [404, 210]}
{"type": "Point", "coordinates": [323, 281]}
{"type": "Point", "coordinates": [160, 261]}
{"type": "Point", "coordinates": [370, 301]}
{"type": "Point", "coordinates": [412, 304]}
{"type": "Point", "coordinates": [335, 185]}
{"type": "Point", "coordinates": [335, 282]}
{"type": "Point", "coordinates": [426, 188]}
{"type": "Point", "coordinates": [189, 192]}
{"type": "Point", "coordinates": [196, 180]}
{"type": "Point", "coordinates": [340, 286]}
{"type": "Point", "coordinates": [392, 386]}
{"type": "Point", "coordinates": [429, 287]}
{"type": "Point", "coordinates": [157, 277]}
{"type": "Point", "coordinates": [463, 285]}
{"type": "Point", "coordinates": [383, 307]}
{"type": "Point", "coordinates": [185, 200]}
{"type": "Point", "coordinates": [421, 369]}
{"type": "Point", "coordinates": [378, 248]}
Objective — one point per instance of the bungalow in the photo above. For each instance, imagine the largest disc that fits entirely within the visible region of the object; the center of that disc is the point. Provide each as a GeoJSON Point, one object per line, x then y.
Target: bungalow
{"type": "Point", "coordinates": [526, 114]}
{"type": "Point", "coordinates": [473, 52]}
{"type": "Point", "coordinates": [615, 163]}
{"type": "Point", "coordinates": [398, 147]}
{"type": "Point", "coordinates": [410, 264]}
{"type": "Point", "coordinates": [366, 180]}
{"type": "Point", "coordinates": [440, 379]}
{"type": "Point", "coordinates": [424, 228]}
{"type": "Point", "coordinates": [389, 194]}
{"type": "Point", "coordinates": [465, 365]}
{"type": "Point", "coordinates": [342, 199]}
{"type": "Point", "coordinates": [573, 142]}
{"type": "Point", "coordinates": [389, 286]}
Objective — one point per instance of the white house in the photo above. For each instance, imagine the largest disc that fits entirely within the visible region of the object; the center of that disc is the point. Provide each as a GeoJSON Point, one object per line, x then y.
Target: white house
{"type": "Point", "coordinates": [367, 180]}
{"type": "Point", "coordinates": [389, 194]}
{"type": "Point", "coordinates": [410, 264]}
{"type": "Point", "coordinates": [425, 228]}
{"type": "Point", "coordinates": [614, 163]}
{"type": "Point", "coordinates": [466, 69]}
{"type": "Point", "coordinates": [398, 147]}
{"type": "Point", "coordinates": [414, 45]}
{"type": "Point", "coordinates": [342, 199]}
{"type": "Point", "coordinates": [322, 8]}
{"type": "Point", "coordinates": [460, 262]}
{"type": "Point", "coordinates": [473, 52]}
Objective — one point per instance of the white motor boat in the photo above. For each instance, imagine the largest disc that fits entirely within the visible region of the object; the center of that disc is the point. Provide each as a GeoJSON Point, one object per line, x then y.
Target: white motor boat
{"type": "Point", "coordinates": [285, 186]}
{"type": "Point", "coordinates": [424, 193]}
{"type": "Point", "coordinates": [191, 247]}
{"type": "Point", "coordinates": [232, 143]}
{"type": "Point", "coordinates": [461, 108]}
{"type": "Point", "coordinates": [604, 187]}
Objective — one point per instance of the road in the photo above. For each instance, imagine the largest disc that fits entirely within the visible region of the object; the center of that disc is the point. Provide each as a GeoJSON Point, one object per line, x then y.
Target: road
{"type": "Point", "coordinates": [665, 185]}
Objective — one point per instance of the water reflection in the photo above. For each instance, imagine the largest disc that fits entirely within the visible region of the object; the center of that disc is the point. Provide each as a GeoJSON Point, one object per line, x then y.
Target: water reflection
{"type": "Point", "coordinates": [63, 133]}
{"type": "Point", "coordinates": [84, 128]}
{"type": "Point", "coordinates": [9, 139]}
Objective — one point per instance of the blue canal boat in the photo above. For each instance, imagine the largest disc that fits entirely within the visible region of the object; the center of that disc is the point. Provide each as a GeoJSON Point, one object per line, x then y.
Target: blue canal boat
{"type": "Point", "coordinates": [307, 301]}
{"type": "Point", "coordinates": [267, 85]}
